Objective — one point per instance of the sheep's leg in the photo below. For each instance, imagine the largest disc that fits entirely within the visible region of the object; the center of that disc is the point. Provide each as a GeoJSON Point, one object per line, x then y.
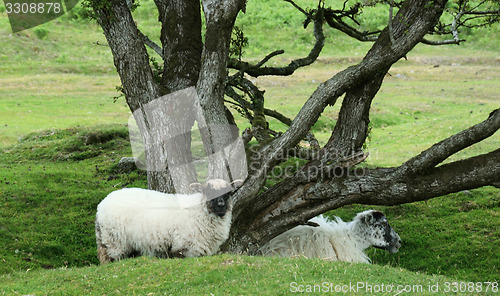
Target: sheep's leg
{"type": "Point", "coordinates": [109, 247]}
{"type": "Point", "coordinates": [177, 254]}
{"type": "Point", "coordinates": [102, 254]}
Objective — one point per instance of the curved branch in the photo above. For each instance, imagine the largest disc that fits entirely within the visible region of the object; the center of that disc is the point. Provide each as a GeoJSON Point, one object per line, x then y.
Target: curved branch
{"type": "Point", "coordinates": [295, 201]}
{"type": "Point", "coordinates": [257, 70]}
{"type": "Point", "coordinates": [374, 187]}
{"type": "Point", "coordinates": [442, 150]}
{"type": "Point", "coordinates": [351, 128]}
{"type": "Point", "coordinates": [411, 23]}
{"type": "Point", "coordinates": [246, 66]}
{"type": "Point", "coordinates": [337, 23]}
{"type": "Point", "coordinates": [442, 42]}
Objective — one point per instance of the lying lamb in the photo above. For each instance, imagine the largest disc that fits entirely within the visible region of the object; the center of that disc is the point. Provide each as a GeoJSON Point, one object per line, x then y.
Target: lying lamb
{"type": "Point", "coordinates": [336, 241]}
{"type": "Point", "coordinates": [135, 221]}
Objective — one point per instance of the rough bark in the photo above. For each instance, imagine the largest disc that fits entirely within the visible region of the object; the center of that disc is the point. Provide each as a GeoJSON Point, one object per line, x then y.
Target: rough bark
{"type": "Point", "coordinates": [351, 129]}
{"type": "Point", "coordinates": [132, 63]}
{"type": "Point", "coordinates": [181, 42]}
{"type": "Point", "coordinates": [418, 19]}
{"type": "Point", "coordinates": [215, 128]}
{"type": "Point", "coordinates": [283, 207]}
{"type": "Point", "coordinates": [326, 182]}
{"type": "Point", "coordinates": [182, 47]}
{"type": "Point", "coordinates": [129, 53]}
{"type": "Point", "coordinates": [166, 138]}
{"type": "Point", "coordinates": [412, 22]}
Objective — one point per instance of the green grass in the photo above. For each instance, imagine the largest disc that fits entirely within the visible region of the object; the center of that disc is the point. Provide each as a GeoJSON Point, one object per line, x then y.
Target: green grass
{"type": "Point", "coordinates": [223, 274]}
{"type": "Point", "coordinates": [62, 134]}
{"type": "Point", "coordinates": [59, 81]}
{"type": "Point", "coordinates": [56, 101]}
{"type": "Point", "coordinates": [456, 235]}
{"type": "Point", "coordinates": [50, 184]}
{"type": "Point", "coordinates": [52, 181]}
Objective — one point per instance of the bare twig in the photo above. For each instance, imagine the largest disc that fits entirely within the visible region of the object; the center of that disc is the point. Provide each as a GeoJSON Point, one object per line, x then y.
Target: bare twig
{"type": "Point", "coordinates": [257, 70]}
{"type": "Point", "coordinates": [298, 7]}
{"type": "Point", "coordinates": [442, 42]}
{"type": "Point", "coordinates": [268, 57]}
{"type": "Point", "coordinates": [100, 44]}
{"type": "Point", "coordinates": [151, 44]}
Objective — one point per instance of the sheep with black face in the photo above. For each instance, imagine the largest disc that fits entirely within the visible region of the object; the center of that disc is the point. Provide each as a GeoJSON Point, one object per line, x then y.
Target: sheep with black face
{"type": "Point", "coordinates": [134, 221]}
{"type": "Point", "coordinates": [336, 240]}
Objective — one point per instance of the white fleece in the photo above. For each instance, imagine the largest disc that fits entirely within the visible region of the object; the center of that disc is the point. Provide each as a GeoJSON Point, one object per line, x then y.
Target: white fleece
{"type": "Point", "coordinates": [331, 240]}
{"type": "Point", "coordinates": [145, 222]}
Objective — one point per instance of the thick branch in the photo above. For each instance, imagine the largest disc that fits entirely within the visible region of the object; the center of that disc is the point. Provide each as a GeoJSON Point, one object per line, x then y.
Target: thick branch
{"type": "Point", "coordinates": [181, 42]}
{"type": "Point", "coordinates": [295, 201]}
{"type": "Point", "coordinates": [442, 150]}
{"type": "Point", "coordinates": [132, 63]}
{"type": "Point", "coordinates": [268, 202]}
{"type": "Point", "coordinates": [374, 187]}
{"type": "Point", "coordinates": [351, 129]}
{"type": "Point", "coordinates": [130, 55]}
{"type": "Point", "coordinates": [216, 130]}
{"type": "Point", "coordinates": [412, 22]}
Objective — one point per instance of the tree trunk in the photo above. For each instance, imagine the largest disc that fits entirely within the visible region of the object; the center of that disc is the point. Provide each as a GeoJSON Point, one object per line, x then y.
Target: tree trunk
{"type": "Point", "coordinates": [216, 130]}
{"type": "Point", "coordinates": [164, 111]}
{"type": "Point", "coordinates": [351, 129]}
{"type": "Point", "coordinates": [132, 63]}
{"type": "Point", "coordinates": [192, 89]}
{"type": "Point", "coordinates": [258, 218]}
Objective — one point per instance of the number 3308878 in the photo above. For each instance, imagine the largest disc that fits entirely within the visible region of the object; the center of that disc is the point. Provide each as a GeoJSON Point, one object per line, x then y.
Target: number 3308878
{"type": "Point", "coordinates": [33, 8]}
{"type": "Point", "coordinates": [471, 287]}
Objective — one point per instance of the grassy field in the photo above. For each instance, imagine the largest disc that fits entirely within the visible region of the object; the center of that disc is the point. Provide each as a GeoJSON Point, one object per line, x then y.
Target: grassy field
{"type": "Point", "coordinates": [231, 275]}
{"type": "Point", "coordinates": [62, 133]}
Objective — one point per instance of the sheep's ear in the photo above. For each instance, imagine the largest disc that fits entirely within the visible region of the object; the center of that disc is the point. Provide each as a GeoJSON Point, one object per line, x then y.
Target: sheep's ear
{"type": "Point", "coordinates": [367, 219]}
{"type": "Point", "coordinates": [196, 187]}
{"type": "Point", "coordinates": [377, 215]}
{"type": "Point", "coordinates": [237, 183]}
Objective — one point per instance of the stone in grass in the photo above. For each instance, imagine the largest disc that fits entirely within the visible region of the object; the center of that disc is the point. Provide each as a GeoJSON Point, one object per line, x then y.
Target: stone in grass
{"type": "Point", "coordinates": [125, 165]}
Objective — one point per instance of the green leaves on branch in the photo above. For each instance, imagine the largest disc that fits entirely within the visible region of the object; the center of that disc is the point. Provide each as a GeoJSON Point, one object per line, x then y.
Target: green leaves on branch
{"type": "Point", "coordinates": [238, 43]}
{"type": "Point", "coordinates": [102, 8]}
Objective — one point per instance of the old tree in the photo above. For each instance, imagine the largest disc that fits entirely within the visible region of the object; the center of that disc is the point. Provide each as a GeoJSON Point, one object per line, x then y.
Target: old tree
{"type": "Point", "coordinates": [195, 56]}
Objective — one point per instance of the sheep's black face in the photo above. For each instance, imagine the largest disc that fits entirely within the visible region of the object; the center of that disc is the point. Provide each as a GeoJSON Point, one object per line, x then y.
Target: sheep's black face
{"type": "Point", "coordinates": [219, 205]}
{"type": "Point", "coordinates": [218, 193]}
{"type": "Point", "coordinates": [381, 234]}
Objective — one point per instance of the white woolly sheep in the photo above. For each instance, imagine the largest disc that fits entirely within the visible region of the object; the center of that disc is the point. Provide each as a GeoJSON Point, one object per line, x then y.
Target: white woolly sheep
{"type": "Point", "coordinates": [336, 240]}
{"type": "Point", "coordinates": [133, 221]}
